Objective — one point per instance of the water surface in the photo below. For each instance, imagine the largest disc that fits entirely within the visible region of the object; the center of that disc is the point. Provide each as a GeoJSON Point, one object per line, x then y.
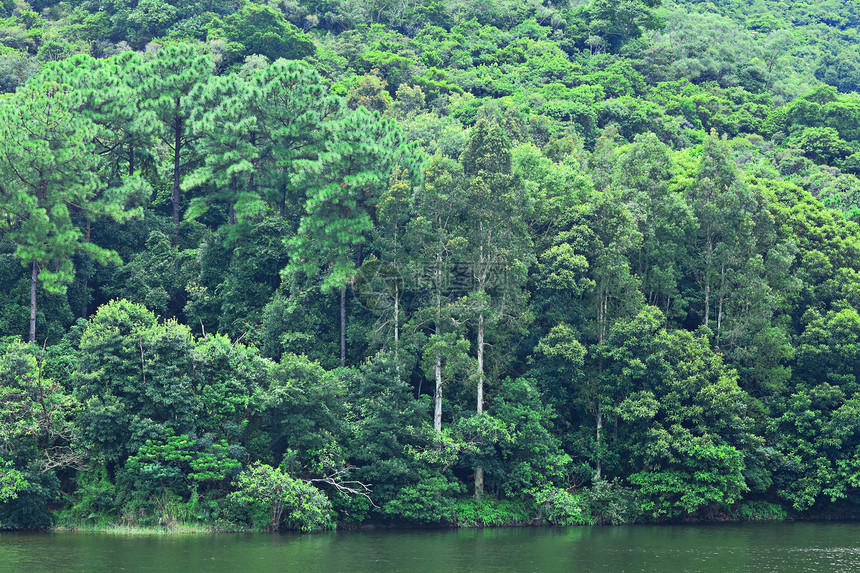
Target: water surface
{"type": "Point", "coordinates": [755, 547]}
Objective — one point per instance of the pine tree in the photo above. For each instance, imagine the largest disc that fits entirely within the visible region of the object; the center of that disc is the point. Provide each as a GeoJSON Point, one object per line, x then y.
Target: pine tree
{"type": "Point", "coordinates": [252, 130]}
{"type": "Point", "coordinates": [109, 98]}
{"type": "Point", "coordinates": [344, 185]}
{"type": "Point", "coordinates": [49, 164]}
{"type": "Point", "coordinates": [166, 83]}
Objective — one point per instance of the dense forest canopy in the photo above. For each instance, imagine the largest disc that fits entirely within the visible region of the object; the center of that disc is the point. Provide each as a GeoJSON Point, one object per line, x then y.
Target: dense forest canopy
{"type": "Point", "coordinates": [300, 263]}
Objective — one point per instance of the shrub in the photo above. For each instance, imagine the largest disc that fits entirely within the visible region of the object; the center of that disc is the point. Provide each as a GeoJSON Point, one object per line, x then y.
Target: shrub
{"type": "Point", "coordinates": [273, 498]}
{"type": "Point", "coordinates": [560, 507]}
{"type": "Point", "coordinates": [758, 511]}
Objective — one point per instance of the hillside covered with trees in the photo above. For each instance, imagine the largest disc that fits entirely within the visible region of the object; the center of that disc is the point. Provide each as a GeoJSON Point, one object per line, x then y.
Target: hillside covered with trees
{"type": "Point", "coordinates": [301, 263]}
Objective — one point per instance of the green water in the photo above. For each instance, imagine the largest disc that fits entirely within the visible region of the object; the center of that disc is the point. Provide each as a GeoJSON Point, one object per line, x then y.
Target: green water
{"type": "Point", "coordinates": [754, 547]}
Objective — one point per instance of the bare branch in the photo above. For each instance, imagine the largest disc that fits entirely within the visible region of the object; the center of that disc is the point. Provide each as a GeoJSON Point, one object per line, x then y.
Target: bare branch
{"type": "Point", "coordinates": [349, 487]}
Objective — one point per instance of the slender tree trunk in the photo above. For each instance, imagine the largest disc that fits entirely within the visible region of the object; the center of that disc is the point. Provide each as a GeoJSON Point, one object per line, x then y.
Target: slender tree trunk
{"type": "Point", "coordinates": [174, 195]}
{"type": "Point", "coordinates": [343, 326]}
{"type": "Point", "coordinates": [283, 206]}
{"type": "Point", "coordinates": [710, 250]}
{"type": "Point", "coordinates": [397, 329]}
{"type": "Point", "coordinates": [599, 423]}
{"type": "Point", "coordinates": [437, 370]}
{"type": "Point", "coordinates": [598, 410]}
{"type": "Point", "coordinates": [397, 316]}
{"type": "Point", "coordinates": [720, 305]}
{"type": "Point", "coordinates": [480, 363]}
{"type": "Point", "coordinates": [479, 482]}
{"type": "Point", "coordinates": [131, 160]}
{"type": "Point", "coordinates": [86, 308]}
{"type": "Point", "coordinates": [437, 414]}
{"type": "Point", "coordinates": [251, 179]}
{"type": "Point", "coordinates": [479, 471]}
{"type": "Point", "coordinates": [34, 277]}
{"type": "Point", "coordinates": [707, 301]}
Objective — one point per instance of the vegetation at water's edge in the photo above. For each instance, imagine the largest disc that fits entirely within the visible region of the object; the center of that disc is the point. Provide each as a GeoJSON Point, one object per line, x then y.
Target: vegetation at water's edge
{"type": "Point", "coordinates": [297, 264]}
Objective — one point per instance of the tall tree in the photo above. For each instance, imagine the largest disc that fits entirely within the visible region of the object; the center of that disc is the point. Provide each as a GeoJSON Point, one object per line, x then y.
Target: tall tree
{"type": "Point", "coordinates": [50, 166]}
{"type": "Point", "coordinates": [499, 248]}
{"type": "Point", "coordinates": [109, 98]}
{"type": "Point", "coordinates": [436, 240]}
{"type": "Point", "coordinates": [662, 216]}
{"type": "Point", "coordinates": [165, 83]}
{"type": "Point", "coordinates": [252, 131]}
{"type": "Point", "coordinates": [589, 257]}
{"type": "Point", "coordinates": [344, 184]}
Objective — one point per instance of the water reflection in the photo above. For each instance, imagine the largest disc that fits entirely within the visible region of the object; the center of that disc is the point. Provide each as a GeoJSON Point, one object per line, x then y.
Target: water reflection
{"type": "Point", "coordinates": [714, 548]}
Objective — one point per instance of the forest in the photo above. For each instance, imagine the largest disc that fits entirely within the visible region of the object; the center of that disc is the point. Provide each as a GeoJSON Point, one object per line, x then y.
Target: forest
{"type": "Point", "coordinates": [305, 264]}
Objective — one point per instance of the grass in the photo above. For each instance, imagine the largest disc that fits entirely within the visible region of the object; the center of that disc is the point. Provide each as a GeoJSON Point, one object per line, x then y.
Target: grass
{"type": "Point", "coordinates": [175, 528]}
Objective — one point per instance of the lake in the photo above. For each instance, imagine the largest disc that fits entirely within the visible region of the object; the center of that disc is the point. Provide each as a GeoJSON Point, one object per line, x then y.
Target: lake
{"type": "Point", "coordinates": [758, 547]}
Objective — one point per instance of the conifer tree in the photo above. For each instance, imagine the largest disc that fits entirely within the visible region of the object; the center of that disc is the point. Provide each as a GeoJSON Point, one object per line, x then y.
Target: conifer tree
{"type": "Point", "coordinates": [109, 98]}
{"type": "Point", "coordinates": [252, 130]}
{"type": "Point", "coordinates": [344, 184]}
{"type": "Point", "coordinates": [49, 167]}
{"type": "Point", "coordinates": [165, 85]}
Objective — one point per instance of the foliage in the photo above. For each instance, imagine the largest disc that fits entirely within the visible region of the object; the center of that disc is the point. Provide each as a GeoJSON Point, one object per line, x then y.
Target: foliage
{"type": "Point", "coordinates": [590, 262]}
{"type": "Point", "coordinates": [274, 498]}
{"type": "Point", "coordinates": [759, 511]}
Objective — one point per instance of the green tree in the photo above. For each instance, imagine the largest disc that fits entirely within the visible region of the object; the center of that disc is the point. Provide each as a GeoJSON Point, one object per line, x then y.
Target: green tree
{"type": "Point", "coordinates": [344, 185]}
{"type": "Point", "coordinates": [662, 217]}
{"type": "Point", "coordinates": [260, 29]}
{"type": "Point", "coordinates": [165, 84]}
{"type": "Point", "coordinates": [37, 436]}
{"type": "Point", "coordinates": [134, 379]}
{"type": "Point", "coordinates": [267, 490]}
{"type": "Point", "coordinates": [687, 440]}
{"type": "Point", "coordinates": [619, 21]}
{"type": "Point", "coordinates": [50, 167]}
{"type": "Point", "coordinates": [498, 246]}
{"type": "Point", "coordinates": [252, 132]}
{"type": "Point", "coordinates": [435, 240]}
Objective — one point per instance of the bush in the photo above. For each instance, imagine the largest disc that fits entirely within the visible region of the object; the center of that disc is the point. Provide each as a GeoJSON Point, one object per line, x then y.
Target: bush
{"type": "Point", "coordinates": [758, 511]}
{"type": "Point", "coordinates": [610, 502]}
{"type": "Point", "coordinates": [560, 507]}
{"type": "Point", "coordinates": [490, 513]}
{"type": "Point", "coordinates": [273, 499]}
{"type": "Point", "coordinates": [427, 502]}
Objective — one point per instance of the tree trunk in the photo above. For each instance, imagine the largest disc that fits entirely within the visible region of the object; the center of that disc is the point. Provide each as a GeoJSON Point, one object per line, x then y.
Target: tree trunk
{"type": "Point", "coordinates": [437, 415]}
{"type": "Point", "coordinates": [479, 471]}
{"type": "Point", "coordinates": [720, 305]}
{"type": "Point", "coordinates": [131, 160]}
{"type": "Point", "coordinates": [599, 421]}
{"type": "Point", "coordinates": [480, 363]}
{"type": "Point", "coordinates": [397, 329]}
{"type": "Point", "coordinates": [283, 206]}
{"type": "Point", "coordinates": [343, 326]}
{"type": "Point", "coordinates": [251, 179]}
{"type": "Point", "coordinates": [709, 255]}
{"type": "Point", "coordinates": [598, 414]}
{"type": "Point", "coordinates": [34, 277]}
{"type": "Point", "coordinates": [174, 194]}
